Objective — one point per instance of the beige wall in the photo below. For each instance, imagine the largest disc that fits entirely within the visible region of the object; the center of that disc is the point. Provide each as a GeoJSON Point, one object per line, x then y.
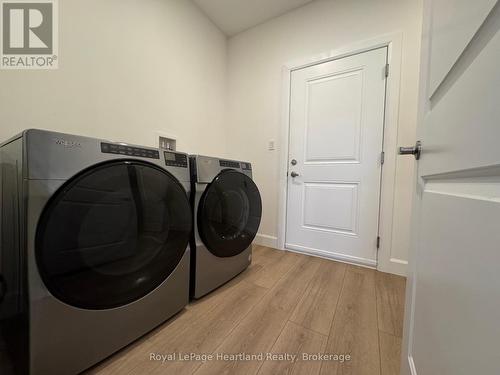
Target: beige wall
{"type": "Point", "coordinates": [255, 60]}
{"type": "Point", "coordinates": [127, 69]}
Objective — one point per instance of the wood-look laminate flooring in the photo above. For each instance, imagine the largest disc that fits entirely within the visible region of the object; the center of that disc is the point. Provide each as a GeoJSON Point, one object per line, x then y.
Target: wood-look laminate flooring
{"type": "Point", "coordinates": [283, 304]}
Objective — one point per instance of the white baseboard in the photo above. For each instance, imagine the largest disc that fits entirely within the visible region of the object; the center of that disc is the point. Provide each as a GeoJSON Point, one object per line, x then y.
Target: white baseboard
{"type": "Point", "coordinates": [266, 240]}
{"type": "Point", "coordinates": [394, 266]}
{"type": "Point", "coordinates": [333, 256]}
{"type": "Point", "coordinates": [413, 370]}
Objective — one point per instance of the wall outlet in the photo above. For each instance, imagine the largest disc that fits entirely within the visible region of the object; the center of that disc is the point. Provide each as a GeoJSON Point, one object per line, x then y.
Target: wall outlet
{"type": "Point", "coordinates": [271, 146]}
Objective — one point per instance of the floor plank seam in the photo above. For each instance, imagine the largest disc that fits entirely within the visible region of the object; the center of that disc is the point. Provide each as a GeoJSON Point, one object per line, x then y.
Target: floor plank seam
{"type": "Point", "coordinates": [389, 333]}
{"type": "Point", "coordinates": [277, 281]}
{"type": "Point", "coordinates": [308, 328]}
{"type": "Point", "coordinates": [377, 299]}
{"type": "Point", "coordinates": [334, 315]}
{"type": "Point", "coordinates": [338, 300]}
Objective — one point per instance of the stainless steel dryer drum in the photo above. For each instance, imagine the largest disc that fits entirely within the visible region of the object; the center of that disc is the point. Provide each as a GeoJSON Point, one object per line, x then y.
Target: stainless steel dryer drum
{"type": "Point", "coordinates": [227, 210]}
{"type": "Point", "coordinates": [94, 248]}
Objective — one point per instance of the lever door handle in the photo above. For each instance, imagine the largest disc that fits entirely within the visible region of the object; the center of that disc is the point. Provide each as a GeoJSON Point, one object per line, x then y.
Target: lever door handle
{"type": "Point", "coordinates": [294, 174]}
{"type": "Point", "coordinates": [414, 150]}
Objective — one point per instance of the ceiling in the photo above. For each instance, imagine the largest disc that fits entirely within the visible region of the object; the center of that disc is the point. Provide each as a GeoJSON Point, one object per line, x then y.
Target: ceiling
{"type": "Point", "coordinates": [233, 16]}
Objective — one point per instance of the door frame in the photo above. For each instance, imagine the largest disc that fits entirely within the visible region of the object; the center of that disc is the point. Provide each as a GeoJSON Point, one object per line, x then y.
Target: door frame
{"type": "Point", "coordinates": [394, 43]}
{"type": "Point", "coordinates": [407, 366]}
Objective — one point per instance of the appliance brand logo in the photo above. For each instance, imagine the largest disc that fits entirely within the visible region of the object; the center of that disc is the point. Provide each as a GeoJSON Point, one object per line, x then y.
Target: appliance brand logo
{"type": "Point", "coordinates": [29, 37]}
{"type": "Point", "coordinates": [67, 144]}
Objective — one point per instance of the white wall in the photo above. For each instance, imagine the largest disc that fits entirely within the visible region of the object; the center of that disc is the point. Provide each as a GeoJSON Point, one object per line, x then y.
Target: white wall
{"type": "Point", "coordinates": [127, 68]}
{"type": "Point", "coordinates": [255, 60]}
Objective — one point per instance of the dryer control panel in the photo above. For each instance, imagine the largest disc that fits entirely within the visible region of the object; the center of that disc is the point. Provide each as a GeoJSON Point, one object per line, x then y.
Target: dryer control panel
{"type": "Point", "coordinates": [113, 148]}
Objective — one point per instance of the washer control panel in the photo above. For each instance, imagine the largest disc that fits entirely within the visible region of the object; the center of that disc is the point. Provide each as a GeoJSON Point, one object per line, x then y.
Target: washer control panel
{"type": "Point", "coordinates": [113, 148]}
{"type": "Point", "coordinates": [246, 166]}
{"type": "Point", "coordinates": [174, 159]}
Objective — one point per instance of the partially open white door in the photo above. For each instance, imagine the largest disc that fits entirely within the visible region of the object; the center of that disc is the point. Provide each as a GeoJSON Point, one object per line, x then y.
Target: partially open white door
{"type": "Point", "coordinates": [453, 295]}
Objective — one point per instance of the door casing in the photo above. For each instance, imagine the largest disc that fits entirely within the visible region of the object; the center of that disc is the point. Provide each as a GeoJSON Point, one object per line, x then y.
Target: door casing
{"type": "Point", "coordinates": [393, 42]}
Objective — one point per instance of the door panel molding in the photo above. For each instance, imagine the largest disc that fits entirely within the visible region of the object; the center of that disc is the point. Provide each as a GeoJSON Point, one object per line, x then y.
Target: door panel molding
{"type": "Point", "coordinates": [348, 156]}
{"type": "Point", "coordinates": [393, 42]}
{"type": "Point", "coordinates": [310, 221]}
{"type": "Point", "coordinates": [461, 23]}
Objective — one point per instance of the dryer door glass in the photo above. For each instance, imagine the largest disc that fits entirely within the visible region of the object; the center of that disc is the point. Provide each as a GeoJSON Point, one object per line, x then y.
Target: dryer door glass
{"type": "Point", "coordinates": [112, 234]}
{"type": "Point", "coordinates": [229, 213]}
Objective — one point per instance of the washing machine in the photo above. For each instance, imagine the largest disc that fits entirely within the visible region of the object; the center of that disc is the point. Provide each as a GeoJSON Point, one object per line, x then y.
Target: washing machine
{"type": "Point", "coordinates": [94, 248]}
{"type": "Point", "coordinates": [227, 211]}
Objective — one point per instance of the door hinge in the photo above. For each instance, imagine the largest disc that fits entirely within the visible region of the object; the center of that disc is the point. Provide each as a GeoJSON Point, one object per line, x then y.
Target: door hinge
{"type": "Point", "coordinates": [387, 70]}
{"type": "Point", "coordinates": [378, 242]}
{"type": "Point", "coordinates": [382, 157]}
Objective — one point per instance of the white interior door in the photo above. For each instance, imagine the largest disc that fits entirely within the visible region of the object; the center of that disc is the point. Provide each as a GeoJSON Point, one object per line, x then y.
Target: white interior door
{"type": "Point", "coordinates": [335, 145]}
{"type": "Point", "coordinates": [453, 304]}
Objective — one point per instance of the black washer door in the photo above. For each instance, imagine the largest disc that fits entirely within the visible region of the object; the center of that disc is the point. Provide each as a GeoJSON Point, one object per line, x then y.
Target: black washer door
{"type": "Point", "coordinates": [112, 234]}
{"type": "Point", "coordinates": [229, 213]}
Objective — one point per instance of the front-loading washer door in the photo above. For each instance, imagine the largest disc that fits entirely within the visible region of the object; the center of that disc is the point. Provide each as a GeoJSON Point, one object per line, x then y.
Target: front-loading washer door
{"type": "Point", "coordinates": [229, 213]}
{"type": "Point", "coordinates": [112, 234]}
